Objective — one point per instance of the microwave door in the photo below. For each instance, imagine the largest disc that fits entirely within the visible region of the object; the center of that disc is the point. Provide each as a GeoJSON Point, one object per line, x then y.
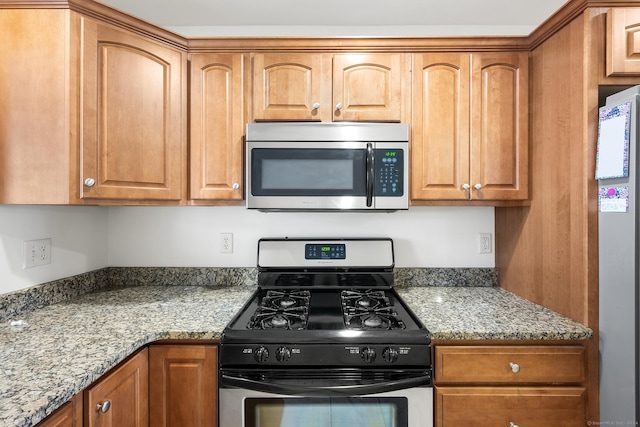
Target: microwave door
{"type": "Point", "coordinates": [329, 176]}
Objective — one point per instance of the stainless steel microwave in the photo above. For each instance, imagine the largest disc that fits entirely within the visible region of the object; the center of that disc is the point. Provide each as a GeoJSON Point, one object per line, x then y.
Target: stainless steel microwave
{"type": "Point", "coordinates": [327, 166]}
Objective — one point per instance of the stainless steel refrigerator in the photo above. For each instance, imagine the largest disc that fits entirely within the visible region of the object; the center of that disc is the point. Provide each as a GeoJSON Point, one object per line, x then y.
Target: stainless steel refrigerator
{"type": "Point", "coordinates": [618, 234]}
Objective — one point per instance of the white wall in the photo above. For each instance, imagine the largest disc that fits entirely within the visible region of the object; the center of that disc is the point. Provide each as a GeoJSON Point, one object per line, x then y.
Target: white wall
{"type": "Point", "coordinates": [78, 242]}
{"type": "Point", "coordinates": [189, 236]}
{"type": "Point", "coordinates": [89, 238]}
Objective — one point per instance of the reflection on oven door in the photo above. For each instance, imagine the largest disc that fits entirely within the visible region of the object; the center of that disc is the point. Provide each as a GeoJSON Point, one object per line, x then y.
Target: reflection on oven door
{"type": "Point", "coordinates": [401, 408]}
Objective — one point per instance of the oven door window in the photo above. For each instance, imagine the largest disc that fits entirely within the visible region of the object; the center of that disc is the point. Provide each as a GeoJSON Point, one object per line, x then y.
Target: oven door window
{"type": "Point", "coordinates": [308, 172]}
{"type": "Point", "coordinates": [329, 411]}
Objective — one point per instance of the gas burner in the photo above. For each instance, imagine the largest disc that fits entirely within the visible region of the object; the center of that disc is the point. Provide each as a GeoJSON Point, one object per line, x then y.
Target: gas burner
{"type": "Point", "coordinates": [282, 310]}
{"type": "Point", "coordinates": [369, 310]}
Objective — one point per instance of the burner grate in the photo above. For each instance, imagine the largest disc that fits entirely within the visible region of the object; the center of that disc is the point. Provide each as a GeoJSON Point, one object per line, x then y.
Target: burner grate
{"type": "Point", "coordinates": [369, 309]}
{"type": "Point", "coordinates": [282, 310]}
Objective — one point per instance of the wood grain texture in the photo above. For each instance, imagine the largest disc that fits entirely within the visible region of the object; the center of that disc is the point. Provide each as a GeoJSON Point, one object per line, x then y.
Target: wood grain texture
{"type": "Point", "coordinates": [183, 385]}
{"type": "Point", "coordinates": [127, 390]}
{"type": "Point", "coordinates": [217, 125]}
{"type": "Point", "coordinates": [500, 406]}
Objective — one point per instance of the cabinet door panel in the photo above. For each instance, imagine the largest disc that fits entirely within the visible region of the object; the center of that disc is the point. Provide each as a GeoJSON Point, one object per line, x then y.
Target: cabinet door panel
{"type": "Point", "coordinates": [522, 406]}
{"type": "Point", "coordinates": [183, 386]}
{"type": "Point", "coordinates": [127, 391]}
{"type": "Point", "coordinates": [440, 135]}
{"type": "Point", "coordinates": [368, 86]}
{"type": "Point", "coordinates": [68, 415]}
{"type": "Point", "coordinates": [132, 144]}
{"type": "Point", "coordinates": [623, 41]}
{"type": "Point", "coordinates": [287, 85]}
{"type": "Point", "coordinates": [217, 126]}
{"type": "Point", "coordinates": [499, 126]}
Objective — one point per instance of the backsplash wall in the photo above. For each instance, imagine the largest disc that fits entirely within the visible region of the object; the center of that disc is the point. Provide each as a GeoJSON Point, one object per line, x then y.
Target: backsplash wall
{"type": "Point", "coordinates": [89, 238]}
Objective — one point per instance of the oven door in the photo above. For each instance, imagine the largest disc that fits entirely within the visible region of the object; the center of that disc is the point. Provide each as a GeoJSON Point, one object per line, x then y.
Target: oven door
{"type": "Point", "coordinates": [337, 398]}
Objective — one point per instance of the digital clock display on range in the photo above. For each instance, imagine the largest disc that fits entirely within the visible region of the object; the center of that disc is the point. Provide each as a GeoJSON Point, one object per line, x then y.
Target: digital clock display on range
{"type": "Point", "coordinates": [325, 251]}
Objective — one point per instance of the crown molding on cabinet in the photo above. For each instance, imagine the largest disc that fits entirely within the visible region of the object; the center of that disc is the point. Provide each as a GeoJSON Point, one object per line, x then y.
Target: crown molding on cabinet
{"type": "Point", "coordinates": [93, 9]}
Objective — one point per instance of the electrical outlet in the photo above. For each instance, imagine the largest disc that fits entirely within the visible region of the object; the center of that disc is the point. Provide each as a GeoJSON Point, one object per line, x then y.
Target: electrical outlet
{"type": "Point", "coordinates": [484, 243]}
{"type": "Point", "coordinates": [226, 243]}
{"type": "Point", "coordinates": [36, 253]}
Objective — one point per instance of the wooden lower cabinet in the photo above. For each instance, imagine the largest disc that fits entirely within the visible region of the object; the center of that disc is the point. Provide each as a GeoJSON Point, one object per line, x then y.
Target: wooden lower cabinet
{"type": "Point", "coordinates": [501, 406]}
{"type": "Point", "coordinates": [510, 385]}
{"type": "Point", "coordinates": [68, 415]}
{"type": "Point", "coordinates": [120, 398]}
{"type": "Point", "coordinates": [183, 389]}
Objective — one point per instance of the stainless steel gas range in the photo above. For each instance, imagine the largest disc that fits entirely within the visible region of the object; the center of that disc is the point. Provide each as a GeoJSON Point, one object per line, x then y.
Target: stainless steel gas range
{"type": "Point", "coordinates": [325, 341]}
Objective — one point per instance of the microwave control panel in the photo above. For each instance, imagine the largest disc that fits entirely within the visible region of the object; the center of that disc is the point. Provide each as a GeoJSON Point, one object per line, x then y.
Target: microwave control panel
{"type": "Point", "coordinates": [389, 172]}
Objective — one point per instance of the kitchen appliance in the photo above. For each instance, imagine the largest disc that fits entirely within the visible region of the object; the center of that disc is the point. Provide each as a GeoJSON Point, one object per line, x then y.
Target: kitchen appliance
{"type": "Point", "coordinates": [619, 258]}
{"type": "Point", "coordinates": [327, 166]}
{"type": "Point", "coordinates": [326, 339]}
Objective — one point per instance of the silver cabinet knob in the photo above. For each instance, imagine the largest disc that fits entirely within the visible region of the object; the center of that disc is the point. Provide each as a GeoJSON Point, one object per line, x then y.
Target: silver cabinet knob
{"type": "Point", "coordinates": [466, 186]}
{"type": "Point", "coordinates": [104, 406]}
{"type": "Point", "coordinates": [515, 368]}
{"type": "Point", "coordinates": [477, 186]}
{"type": "Point", "coordinates": [512, 424]}
{"type": "Point", "coordinates": [235, 186]}
{"type": "Point", "coordinates": [316, 105]}
{"type": "Point", "coordinates": [339, 106]}
{"type": "Point", "coordinates": [89, 182]}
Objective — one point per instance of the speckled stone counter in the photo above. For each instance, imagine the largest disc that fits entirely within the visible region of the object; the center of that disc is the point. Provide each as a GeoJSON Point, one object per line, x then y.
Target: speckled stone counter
{"type": "Point", "coordinates": [66, 346]}
{"type": "Point", "coordinates": [481, 313]}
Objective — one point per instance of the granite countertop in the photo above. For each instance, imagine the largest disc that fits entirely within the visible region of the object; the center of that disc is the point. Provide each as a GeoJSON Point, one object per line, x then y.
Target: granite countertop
{"type": "Point", "coordinates": [64, 347]}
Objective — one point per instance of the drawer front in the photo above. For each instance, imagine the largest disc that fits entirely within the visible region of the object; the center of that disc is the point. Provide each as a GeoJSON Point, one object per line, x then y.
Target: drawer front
{"type": "Point", "coordinates": [509, 365]}
{"type": "Point", "coordinates": [500, 406]}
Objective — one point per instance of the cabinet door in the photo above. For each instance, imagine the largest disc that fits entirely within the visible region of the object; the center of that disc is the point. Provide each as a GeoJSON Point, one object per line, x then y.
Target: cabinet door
{"type": "Point", "coordinates": [289, 86]}
{"type": "Point", "coordinates": [68, 415]}
{"type": "Point", "coordinates": [133, 142]}
{"type": "Point", "coordinates": [623, 41]}
{"type": "Point", "coordinates": [120, 399]}
{"type": "Point", "coordinates": [440, 134]}
{"type": "Point", "coordinates": [370, 87]}
{"type": "Point", "coordinates": [183, 385]}
{"type": "Point", "coordinates": [501, 406]}
{"type": "Point", "coordinates": [217, 127]}
{"type": "Point", "coordinates": [499, 126]}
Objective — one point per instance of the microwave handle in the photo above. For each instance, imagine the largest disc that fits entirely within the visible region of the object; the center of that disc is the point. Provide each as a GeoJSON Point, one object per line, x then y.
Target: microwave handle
{"type": "Point", "coordinates": [370, 174]}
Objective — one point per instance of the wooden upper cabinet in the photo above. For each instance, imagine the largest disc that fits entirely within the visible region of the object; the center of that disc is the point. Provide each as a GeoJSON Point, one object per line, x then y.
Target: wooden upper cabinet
{"type": "Point", "coordinates": [470, 123]}
{"type": "Point", "coordinates": [288, 86]}
{"type": "Point", "coordinates": [37, 107]}
{"type": "Point", "coordinates": [370, 87]}
{"type": "Point", "coordinates": [623, 41]}
{"type": "Point", "coordinates": [440, 133]}
{"type": "Point", "coordinates": [133, 142]}
{"type": "Point", "coordinates": [325, 87]}
{"type": "Point", "coordinates": [217, 127]}
{"type": "Point", "coordinates": [120, 398]}
{"type": "Point", "coordinates": [500, 126]}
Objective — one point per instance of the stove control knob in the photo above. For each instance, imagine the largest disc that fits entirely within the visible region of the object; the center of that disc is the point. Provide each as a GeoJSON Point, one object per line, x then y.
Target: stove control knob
{"type": "Point", "coordinates": [390, 354]}
{"type": "Point", "coordinates": [283, 354]}
{"type": "Point", "coordinates": [261, 354]}
{"type": "Point", "coordinates": [368, 354]}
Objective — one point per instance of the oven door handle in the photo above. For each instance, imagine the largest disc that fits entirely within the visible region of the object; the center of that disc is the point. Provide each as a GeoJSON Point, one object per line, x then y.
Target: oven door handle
{"type": "Point", "coordinates": [325, 390]}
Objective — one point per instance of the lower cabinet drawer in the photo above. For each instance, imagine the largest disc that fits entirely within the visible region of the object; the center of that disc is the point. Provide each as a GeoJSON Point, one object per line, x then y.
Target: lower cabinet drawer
{"type": "Point", "coordinates": [500, 406]}
{"type": "Point", "coordinates": [509, 365]}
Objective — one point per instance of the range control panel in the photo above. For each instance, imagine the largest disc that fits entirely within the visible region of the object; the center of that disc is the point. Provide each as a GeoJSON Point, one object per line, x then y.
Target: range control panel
{"type": "Point", "coordinates": [338, 355]}
{"type": "Point", "coordinates": [389, 173]}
